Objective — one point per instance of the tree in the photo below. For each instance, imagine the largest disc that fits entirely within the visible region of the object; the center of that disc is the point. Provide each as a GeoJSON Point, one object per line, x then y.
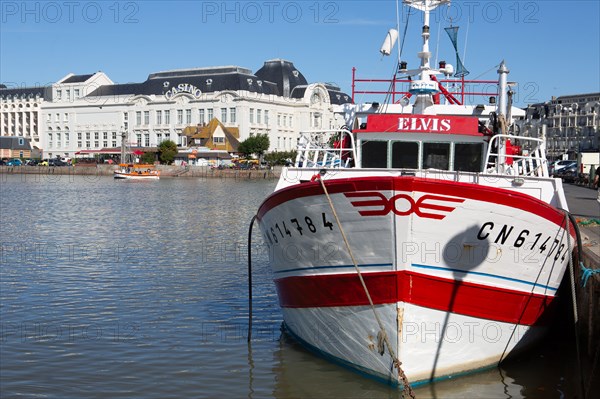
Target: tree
{"type": "Point", "coordinates": [280, 157]}
{"type": "Point", "coordinates": [166, 151]}
{"type": "Point", "coordinates": [258, 145]}
{"type": "Point", "coordinates": [148, 158]}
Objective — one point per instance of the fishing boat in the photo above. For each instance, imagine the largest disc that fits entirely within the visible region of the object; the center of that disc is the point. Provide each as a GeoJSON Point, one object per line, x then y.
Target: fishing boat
{"type": "Point", "coordinates": [132, 171]}
{"type": "Point", "coordinates": [426, 241]}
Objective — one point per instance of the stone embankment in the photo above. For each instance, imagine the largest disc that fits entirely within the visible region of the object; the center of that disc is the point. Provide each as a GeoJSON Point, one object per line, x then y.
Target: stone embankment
{"type": "Point", "coordinates": [165, 171]}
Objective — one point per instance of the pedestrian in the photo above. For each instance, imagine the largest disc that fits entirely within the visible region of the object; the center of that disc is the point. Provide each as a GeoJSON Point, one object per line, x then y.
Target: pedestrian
{"type": "Point", "coordinates": [597, 181]}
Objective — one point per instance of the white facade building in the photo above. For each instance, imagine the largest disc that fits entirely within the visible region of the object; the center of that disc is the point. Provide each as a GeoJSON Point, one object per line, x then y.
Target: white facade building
{"type": "Point", "coordinates": [89, 112]}
{"type": "Point", "coordinates": [572, 124]}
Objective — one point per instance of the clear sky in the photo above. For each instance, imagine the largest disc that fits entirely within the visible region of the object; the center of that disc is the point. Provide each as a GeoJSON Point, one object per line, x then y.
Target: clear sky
{"type": "Point", "coordinates": [550, 47]}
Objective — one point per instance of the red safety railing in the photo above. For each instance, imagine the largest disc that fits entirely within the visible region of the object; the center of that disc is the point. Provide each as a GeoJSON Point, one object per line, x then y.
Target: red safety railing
{"type": "Point", "coordinates": [462, 87]}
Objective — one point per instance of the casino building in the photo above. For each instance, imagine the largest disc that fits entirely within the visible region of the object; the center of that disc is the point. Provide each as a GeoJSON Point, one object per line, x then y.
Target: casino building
{"type": "Point", "coordinates": [90, 112]}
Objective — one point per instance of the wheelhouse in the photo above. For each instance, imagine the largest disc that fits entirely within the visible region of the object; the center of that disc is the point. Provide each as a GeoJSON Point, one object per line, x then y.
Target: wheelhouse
{"type": "Point", "coordinates": [399, 141]}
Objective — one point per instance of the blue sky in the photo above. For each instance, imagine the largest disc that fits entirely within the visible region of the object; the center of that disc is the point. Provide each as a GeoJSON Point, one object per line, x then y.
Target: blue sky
{"type": "Point", "coordinates": [551, 47]}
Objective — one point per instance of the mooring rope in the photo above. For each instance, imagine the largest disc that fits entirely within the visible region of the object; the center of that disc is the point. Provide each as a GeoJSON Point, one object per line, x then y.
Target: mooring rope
{"type": "Point", "coordinates": [250, 278]}
{"type": "Point", "coordinates": [397, 363]}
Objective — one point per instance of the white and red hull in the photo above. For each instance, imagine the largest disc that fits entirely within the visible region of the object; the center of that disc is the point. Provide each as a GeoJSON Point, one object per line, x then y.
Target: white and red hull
{"type": "Point", "coordinates": [136, 176]}
{"type": "Point", "coordinates": [461, 274]}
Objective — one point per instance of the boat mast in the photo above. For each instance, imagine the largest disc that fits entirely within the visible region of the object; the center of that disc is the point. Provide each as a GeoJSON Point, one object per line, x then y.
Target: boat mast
{"type": "Point", "coordinates": [424, 87]}
{"type": "Point", "coordinates": [502, 112]}
{"type": "Point", "coordinates": [123, 146]}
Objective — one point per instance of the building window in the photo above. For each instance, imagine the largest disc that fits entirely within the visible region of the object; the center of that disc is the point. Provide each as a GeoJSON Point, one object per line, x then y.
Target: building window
{"type": "Point", "coordinates": [58, 95]}
{"type": "Point", "coordinates": [188, 116]}
{"type": "Point", "coordinates": [158, 138]}
{"type": "Point", "coordinates": [167, 117]}
{"type": "Point", "coordinates": [96, 144]}
{"type": "Point", "coordinates": [79, 144]}
{"type": "Point", "coordinates": [66, 139]}
{"type": "Point", "coordinates": [65, 117]}
{"type": "Point", "coordinates": [210, 114]}
{"type": "Point", "coordinates": [201, 115]}
{"type": "Point", "coordinates": [232, 116]}
{"type": "Point", "coordinates": [68, 93]}
{"type": "Point", "coordinates": [114, 143]}
{"type": "Point", "coordinates": [259, 116]}
{"type": "Point", "coordinates": [96, 135]}
{"type": "Point", "coordinates": [114, 135]}
{"type": "Point", "coordinates": [49, 118]}
{"type": "Point", "coordinates": [125, 116]}
{"type": "Point", "coordinates": [139, 140]}
{"type": "Point", "coordinates": [147, 140]}
{"type": "Point", "coordinates": [278, 119]}
{"type": "Point", "coordinates": [76, 93]}
{"type": "Point", "coordinates": [218, 140]}
{"type": "Point", "coordinates": [50, 140]}
{"type": "Point", "coordinates": [251, 115]}
{"type": "Point", "coordinates": [159, 117]}
{"type": "Point", "coordinates": [87, 135]}
{"type": "Point", "coordinates": [146, 117]}
{"type": "Point", "coordinates": [57, 118]}
{"type": "Point", "coordinates": [105, 144]}
{"type": "Point", "coordinates": [224, 115]}
{"type": "Point", "coordinates": [87, 144]}
{"type": "Point", "coordinates": [138, 118]}
{"type": "Point", "coordinates": [180, 117]}
{"type": "Point", "coordinates": [284, 120]}
{"type": "Point", "coordinates": [266, 117]}
{"type": "Point", "coordinates": [105, 135]}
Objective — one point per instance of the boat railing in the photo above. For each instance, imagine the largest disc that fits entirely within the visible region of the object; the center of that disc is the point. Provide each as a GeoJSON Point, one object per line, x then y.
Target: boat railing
{"type": "Point", "coordinates": [466, 90]}
{"type": "Point", "coordinates": [533, 164]}
{"type": "Point", "coordinates": [326, 149]}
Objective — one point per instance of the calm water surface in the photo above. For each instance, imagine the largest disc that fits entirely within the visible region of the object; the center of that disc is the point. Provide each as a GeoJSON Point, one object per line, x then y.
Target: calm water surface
{"type": "Point", "coordinates": [125, 289]}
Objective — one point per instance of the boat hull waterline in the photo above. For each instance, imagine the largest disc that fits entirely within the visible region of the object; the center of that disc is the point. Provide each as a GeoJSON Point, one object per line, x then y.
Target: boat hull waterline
{"type": "Point", "coordinates": [460, 274]}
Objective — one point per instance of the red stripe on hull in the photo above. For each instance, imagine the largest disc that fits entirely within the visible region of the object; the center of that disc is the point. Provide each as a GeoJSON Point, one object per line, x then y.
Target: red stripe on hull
{"type": "Point", "coordinates": [447, 295]}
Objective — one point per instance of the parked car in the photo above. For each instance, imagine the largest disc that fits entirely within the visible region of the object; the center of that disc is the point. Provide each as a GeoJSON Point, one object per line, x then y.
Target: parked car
{"type": "Point", "coordinates": [14, 162]}
{"type": "Point", "coordinates": [56, 162]}
{"type": "Point", "coordinates": [43, 163]}
{"type": "Point", "coordinates": [569, 174]}
{"type": "Point", "coordinates": [32, 162]}
{"type": "Point", "coordinates": [560, 165]}
{"type": "Point", "coordinates": [2, 162]}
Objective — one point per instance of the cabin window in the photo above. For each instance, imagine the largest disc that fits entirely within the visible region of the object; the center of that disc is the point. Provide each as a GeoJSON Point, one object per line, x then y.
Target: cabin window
{"type": "Point", "coordinates": [436, 156]}
{"type": "Point", "coordinates": [467, 157]}
{"type": "Point", "coordinates": [374, 154]}
{"type": "Point", "coordinates": [405, 155]}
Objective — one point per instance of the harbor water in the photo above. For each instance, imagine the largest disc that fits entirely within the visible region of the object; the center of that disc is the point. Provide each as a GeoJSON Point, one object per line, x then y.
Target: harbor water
{"type": "Point", "coordinates": [139, 289]}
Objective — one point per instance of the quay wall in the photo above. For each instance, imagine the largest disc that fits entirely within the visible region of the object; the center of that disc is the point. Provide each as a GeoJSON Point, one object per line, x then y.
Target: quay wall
{"type": "Point", "coordinates": [165, 171]}
{"type": "Point", "coordinates": [588, 297]}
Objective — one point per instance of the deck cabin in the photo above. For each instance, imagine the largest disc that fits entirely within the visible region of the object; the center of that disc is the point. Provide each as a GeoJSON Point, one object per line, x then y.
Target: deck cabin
{"type": "Point", "coordinates": [400, 141]}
